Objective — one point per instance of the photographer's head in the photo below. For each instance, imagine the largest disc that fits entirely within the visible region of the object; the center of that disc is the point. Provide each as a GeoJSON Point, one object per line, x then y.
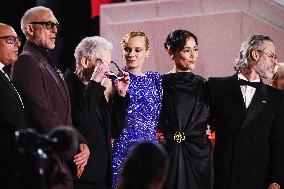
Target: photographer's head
{"type": "Point", "coordinates": [90, 52]}
{"type": "Point", "coordinates": [145, 168]}
{"type": "Point", "coordinates": [257, 54]}
{"type": "Point", "coordinates": [39, 157]}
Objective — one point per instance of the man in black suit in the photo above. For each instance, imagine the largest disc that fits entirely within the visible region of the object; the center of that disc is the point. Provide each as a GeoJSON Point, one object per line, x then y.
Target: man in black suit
{"type": "Point", "coordinates": [247, 116]}
{"type": "Point", "coordinates": [12, 115]}
{"type": "Point", "coordinates": [91, 96]}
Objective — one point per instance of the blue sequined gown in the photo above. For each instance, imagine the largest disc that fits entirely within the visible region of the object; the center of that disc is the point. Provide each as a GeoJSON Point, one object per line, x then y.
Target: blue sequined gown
{"type": "Point", "coordinates": [141, 120]}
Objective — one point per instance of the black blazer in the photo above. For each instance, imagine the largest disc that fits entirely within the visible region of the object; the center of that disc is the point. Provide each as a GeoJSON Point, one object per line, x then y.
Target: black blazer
{"type": "Point", "coordinates": [11, 110]}
{"type": "Point", "coordinates": [97, 123]}
{"type": "Point", "coordinates": [249, 142]}
{"type": "Point", "coordinates": [12, 118]}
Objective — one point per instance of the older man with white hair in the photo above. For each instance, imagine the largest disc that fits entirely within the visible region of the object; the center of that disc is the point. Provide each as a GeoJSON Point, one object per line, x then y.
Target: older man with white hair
{"type": "Point", "coordinates": [98, 107]}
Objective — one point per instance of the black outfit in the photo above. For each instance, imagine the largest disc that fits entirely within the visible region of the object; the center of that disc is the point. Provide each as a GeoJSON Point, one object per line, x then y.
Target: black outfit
{"type": "Point", "coordinates": [249, 144]}
{"type": "Point", "coordinates": [12, 118]}
{"type": "Point", "coordinates": [11, 111]}
{"type": "Point", "coordinates": [183, 116]}
{"type": "Point", "coordinates": [95, 120]}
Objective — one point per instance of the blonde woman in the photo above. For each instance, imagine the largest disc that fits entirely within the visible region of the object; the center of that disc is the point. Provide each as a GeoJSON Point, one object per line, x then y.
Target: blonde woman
{"type": "Point", "coordinates": [145, 92]}
{"type": "Point", "coordinates": [277, 80]}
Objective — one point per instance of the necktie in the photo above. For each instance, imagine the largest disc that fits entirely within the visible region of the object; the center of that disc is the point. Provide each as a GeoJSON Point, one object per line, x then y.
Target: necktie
{"type": "Point", "coordinates": [252, 84]}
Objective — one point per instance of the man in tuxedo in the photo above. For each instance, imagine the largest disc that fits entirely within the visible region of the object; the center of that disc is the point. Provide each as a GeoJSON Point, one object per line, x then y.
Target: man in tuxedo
{"type": "Point", "coordinates": [40, 83]}
{"type": "Point", "coordinates": [247, 116]}
{"type": "Point", "coordinates": [12, 115]}
{"type": "Point", "coordinates": [98, 108]}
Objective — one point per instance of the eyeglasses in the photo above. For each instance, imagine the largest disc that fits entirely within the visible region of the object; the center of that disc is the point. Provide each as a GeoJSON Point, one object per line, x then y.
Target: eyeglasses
{"type": "Point", "coordinates": [272, 56]}
{"type": "Point", "coordinates": [111, 74]}
{"type": "Point", "coordinates": [10, 39]}
{"type": "Point", "coordinates": [48, 25]}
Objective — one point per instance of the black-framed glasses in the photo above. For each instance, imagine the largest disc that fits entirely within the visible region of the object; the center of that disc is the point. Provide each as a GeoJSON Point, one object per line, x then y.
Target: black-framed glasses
{"type": "Point", "coordinates": [48, 25]}
{"type": "Point", "coordinates": [11, 39]}
{"type": "Point", "coordinates": [271, 56]}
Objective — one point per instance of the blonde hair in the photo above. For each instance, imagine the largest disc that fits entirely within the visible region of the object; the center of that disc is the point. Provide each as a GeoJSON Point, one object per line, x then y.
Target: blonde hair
{"type": "Point", "coordinates": [278, 74]}
{"type": "Point", "coordinates": [125, 39]}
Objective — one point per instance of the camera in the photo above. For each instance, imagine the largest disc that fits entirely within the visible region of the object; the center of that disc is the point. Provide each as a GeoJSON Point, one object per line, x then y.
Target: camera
{"type": "Point", "coordinates": [39, 157]}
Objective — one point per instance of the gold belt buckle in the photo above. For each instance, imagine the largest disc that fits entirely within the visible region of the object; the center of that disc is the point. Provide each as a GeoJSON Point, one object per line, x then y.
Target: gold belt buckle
{"type": "Point", "coordinates": [179, 136]}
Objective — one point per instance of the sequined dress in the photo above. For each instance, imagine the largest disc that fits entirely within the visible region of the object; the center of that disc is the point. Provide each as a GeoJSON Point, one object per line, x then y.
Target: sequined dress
{"type": "Point", "coordinates": [141, 119]}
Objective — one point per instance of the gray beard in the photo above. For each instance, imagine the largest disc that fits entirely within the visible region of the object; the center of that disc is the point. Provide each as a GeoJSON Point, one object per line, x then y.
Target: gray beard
{"type": "Point", "coordinates": [263, 70]}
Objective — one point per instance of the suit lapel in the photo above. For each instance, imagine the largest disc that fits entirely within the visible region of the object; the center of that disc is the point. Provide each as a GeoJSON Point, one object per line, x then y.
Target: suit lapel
{"type": "Point", "coordinates": [9, 84]}
{"type": "Point", "coordinates": [257, 105]}
{"type": "Point", "coordinates": [59, 83]}
{"type": "Point", "coordinates": [42, 61]}
{"type": "Point", "coordinates": [232, 92]}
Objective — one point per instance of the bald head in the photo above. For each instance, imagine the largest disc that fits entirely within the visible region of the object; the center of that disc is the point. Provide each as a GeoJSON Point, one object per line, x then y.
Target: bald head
{"type": "Point", "coordinates": [9, 44]}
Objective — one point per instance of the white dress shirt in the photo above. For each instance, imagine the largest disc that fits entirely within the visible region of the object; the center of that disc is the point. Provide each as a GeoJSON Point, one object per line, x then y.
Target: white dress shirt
{"type": "Point", "coordinates": [247, 91]}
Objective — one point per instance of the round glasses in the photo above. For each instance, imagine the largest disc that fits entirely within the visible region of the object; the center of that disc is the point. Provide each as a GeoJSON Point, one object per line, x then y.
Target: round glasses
{"type": "Point", "coordinates": [10, 39]}
{"type": "Point", "coordinates": [272, 56]}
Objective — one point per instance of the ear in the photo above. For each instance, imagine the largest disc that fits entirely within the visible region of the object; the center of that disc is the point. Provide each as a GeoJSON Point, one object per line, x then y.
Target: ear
{"type": "Point", "coordinates": [255, 55]}
{"type": "Point", "coordinates": [148, 53]}
{"type": "Point", "coordinates": [29, 29]}
{"type": "Point", "coordinates": [84, 62]}
{"type": "Point", "coordinates": [170, 52]}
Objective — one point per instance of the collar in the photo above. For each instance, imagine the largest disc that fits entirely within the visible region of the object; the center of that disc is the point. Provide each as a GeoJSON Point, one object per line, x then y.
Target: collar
{"type": "Point", "coordinates": [1, 67]}
{"type": "Point", "coordinates": [241, 76]}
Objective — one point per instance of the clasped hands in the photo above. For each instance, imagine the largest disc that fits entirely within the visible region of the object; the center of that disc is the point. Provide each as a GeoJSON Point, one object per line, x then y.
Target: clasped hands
{"type": "Point", "coordinates": [81, 159]}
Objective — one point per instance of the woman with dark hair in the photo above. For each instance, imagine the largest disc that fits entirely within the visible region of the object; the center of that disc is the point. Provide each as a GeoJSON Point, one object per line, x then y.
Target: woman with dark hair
{"type": "Point", "coordinates": [145, 168]}
{"type": "Point", "coordinates": [183, 118]}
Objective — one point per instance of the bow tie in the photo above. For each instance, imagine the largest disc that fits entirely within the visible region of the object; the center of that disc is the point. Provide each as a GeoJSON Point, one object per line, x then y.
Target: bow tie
{"type": "Point", "coordinates": [252, 84]}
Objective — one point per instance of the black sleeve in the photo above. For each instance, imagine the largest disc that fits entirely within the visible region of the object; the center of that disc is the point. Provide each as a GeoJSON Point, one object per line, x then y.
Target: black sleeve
{"type": "Point", "coordinates": [209, 99]}
{"type": "Point", "coordinates": [118, 113]}
{"type": "Point", "coordinates": [93, 94]}
{"type": "Point", "coordinates": [276, 171]}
